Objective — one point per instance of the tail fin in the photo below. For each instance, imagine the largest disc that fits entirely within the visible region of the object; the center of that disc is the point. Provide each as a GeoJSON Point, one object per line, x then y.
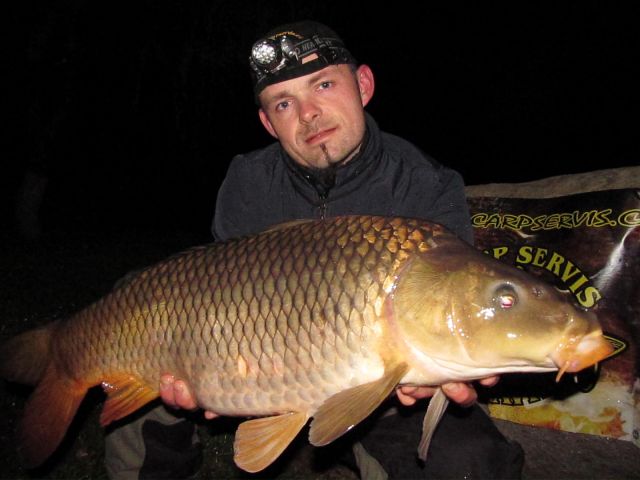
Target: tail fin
{"type": "Point", "coordinates": [23, 358]}
{"type": "Point", "coordinates": [47, 416]}
{"type": "Point", "coordinates": [55, 400]}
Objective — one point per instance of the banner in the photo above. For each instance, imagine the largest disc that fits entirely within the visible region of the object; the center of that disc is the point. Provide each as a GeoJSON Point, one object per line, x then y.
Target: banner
{"type": "Point", "coordinates": [589, 245]}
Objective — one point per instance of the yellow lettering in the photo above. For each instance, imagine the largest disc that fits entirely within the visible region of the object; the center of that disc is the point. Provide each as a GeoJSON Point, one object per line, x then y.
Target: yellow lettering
{"type": "Point", "coordinates": [553, 222]}
{"type": "Point", "coordinates": [510, 221]}
{"type": "Point", "coordinates": [479, 219]}
{"type": "Point", "coordinates": [630, 218]}
{"type": "Point", "coordinates": [579, 219]}
{"type": "Point", "coordinates": [601, 219]}
{"type": "Point", "coordinates": [538, 223]}
{"type": "Point", "coordinates": [539, 257]}
{"type": "Point", "coordinates": [524, 255]}
{"type": "Point", "coordinates": [588, 297]}
{"type": "Point", "coordinates": [566, 220]}
{"type": "Point", "coordinates": [525, 221]}
{"type": "Point", "coordinates": [568, 272]}
{"type": "Point", "coordinates": [493, 221]}
{"type": "Point", "coordinates": [498, 252]}
{"type": "Point", "coordinates": [578, 283]}
{"type": "Point", "coordinates": [555, 263]}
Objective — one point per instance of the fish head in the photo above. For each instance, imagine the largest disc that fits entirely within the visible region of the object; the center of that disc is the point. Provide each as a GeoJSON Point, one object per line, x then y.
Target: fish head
{"type": "Point", "coordinates": [468, 315]}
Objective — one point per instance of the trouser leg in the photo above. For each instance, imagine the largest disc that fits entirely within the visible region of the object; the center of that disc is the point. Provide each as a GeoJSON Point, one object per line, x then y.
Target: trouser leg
{"type": "Point", "coordinates": [368, 467]}
{"type": "Point", "coordinates": [466, 445]}
{"type": "Point", "coordinates": [154, 445]}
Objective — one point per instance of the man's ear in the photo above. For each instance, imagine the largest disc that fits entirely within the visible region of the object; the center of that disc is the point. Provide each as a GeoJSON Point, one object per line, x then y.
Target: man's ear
{"type": "Point", "coordinates": [366, 83]}
{"type": "Point", "coordinates": [266, 123]}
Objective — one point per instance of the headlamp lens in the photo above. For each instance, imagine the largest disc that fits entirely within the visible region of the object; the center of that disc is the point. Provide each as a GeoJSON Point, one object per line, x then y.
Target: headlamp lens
{"type": "Point", "coordinates": [265, 53]}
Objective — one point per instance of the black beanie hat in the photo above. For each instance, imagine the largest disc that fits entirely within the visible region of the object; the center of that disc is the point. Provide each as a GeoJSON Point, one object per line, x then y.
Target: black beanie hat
{"type": "Point", "coordinates": [280, 55]}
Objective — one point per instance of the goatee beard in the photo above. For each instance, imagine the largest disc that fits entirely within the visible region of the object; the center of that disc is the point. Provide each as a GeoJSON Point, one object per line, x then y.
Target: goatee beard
{"type": "Point", "coordinates": [325, 178]}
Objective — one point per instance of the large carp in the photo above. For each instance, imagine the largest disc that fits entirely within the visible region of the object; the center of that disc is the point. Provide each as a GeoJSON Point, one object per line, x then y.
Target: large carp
{"type": "Point", "coordinates": [317, 319]}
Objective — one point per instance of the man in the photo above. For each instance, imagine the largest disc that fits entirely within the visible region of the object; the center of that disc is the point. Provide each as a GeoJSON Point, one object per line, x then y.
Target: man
{"type": "Point", "coordinates": [331, 159]}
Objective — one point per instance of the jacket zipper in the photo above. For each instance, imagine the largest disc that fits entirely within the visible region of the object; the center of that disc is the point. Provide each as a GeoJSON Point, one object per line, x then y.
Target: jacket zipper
{"type": "Point", "coordinates": [323, 207]}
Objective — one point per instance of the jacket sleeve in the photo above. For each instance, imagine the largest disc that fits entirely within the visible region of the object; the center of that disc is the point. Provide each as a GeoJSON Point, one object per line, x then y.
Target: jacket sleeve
{"type": "Point", "coordinates": [438, 194]}
{"type": "Point", "coordinates": [424, 188]}
{"type": "Point", "coordinates": [451, 208]}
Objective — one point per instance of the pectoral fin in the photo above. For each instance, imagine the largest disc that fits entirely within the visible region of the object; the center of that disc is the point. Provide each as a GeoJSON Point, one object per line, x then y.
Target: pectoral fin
{"type": "Point", "coordinates": [435, 410]}
{"type": "Point", "coordinates": [125, 395]}
{"type": "Point", "coordinates": [259, 442]}
{"type": "Point", "coordinates": [338, 414]}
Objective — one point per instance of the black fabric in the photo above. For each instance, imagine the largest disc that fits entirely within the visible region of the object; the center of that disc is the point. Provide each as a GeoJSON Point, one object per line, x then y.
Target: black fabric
{"type": "Point", "coordinates": [170, 451]}
{"type": "Point", "coordinates": [466, 445]}
{"type": "Point", "coordinates": [390, 177]}
{"type": "Point", "coordinates": [324, 42]}
{"type": "Point", "coordinates": [324, 179]}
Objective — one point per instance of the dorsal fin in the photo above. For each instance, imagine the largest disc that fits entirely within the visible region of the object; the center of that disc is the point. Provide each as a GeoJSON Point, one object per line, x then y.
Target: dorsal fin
{"type": "Point", "coordinates": [259, 442]}
{"type": "Point", "coordinates": [292, 223]}
{"type": "Point", "coordinates": [339, 413]}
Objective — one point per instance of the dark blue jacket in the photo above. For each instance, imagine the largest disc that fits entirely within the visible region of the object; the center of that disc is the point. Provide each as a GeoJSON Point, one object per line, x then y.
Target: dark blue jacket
{"type": "Point", "coordinates": [389, 177]}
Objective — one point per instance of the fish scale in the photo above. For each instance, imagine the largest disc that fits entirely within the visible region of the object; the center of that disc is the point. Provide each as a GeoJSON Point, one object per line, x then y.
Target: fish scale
{"type": "Point", "coordinates": [288, 327]}
{"type": "Point", "coordinates": [317, 319]}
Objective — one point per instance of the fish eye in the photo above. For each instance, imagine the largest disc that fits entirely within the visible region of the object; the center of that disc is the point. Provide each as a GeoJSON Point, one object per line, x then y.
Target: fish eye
{"type": "Point", "coordinates": [505, 297]}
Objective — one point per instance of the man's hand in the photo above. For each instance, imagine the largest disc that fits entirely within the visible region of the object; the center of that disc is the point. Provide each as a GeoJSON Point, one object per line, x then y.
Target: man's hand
{"type": "Point", "coordinates": [176, 394]}
{"type": "Point", "coordinates": [461, 393]}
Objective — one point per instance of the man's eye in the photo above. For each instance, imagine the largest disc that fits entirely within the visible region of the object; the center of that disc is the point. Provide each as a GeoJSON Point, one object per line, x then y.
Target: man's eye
{"type": "Point", "coordinates": [282, 106]}
{"type": "Point", "coordinates": [325, 85]}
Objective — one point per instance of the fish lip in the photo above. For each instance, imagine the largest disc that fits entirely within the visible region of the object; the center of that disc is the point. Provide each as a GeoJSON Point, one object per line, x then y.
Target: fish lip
{"type": "Point", "coordinates": [575, 356]}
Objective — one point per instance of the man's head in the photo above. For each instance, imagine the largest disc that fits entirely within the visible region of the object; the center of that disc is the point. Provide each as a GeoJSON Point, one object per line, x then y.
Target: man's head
{"type": "Point", "coordinates": [311, 93]}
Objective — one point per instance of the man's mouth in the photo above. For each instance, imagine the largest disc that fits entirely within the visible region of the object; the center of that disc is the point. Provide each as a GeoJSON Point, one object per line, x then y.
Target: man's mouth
{"type": "Point", "coordinates": [319, 137]}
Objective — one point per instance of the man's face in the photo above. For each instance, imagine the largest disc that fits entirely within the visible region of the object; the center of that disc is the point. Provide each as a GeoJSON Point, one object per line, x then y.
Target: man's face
{"type": "Point", "coordinates": [319, 118]}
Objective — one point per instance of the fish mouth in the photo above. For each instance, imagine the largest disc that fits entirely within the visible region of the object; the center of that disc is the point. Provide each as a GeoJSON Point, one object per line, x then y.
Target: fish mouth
{"type": "Point", "coordinates": [573, 357]}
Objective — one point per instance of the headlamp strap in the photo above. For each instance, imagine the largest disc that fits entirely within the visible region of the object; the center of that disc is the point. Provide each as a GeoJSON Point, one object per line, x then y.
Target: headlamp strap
{"type": "Point", "coordinates": [326, 48]}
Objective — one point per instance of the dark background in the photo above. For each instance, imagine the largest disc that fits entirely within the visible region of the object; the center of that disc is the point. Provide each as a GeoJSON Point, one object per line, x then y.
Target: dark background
{"type": "Point", "coordinates": [127, 113]}
{"type": "Point", "coordinates": [121, 118]}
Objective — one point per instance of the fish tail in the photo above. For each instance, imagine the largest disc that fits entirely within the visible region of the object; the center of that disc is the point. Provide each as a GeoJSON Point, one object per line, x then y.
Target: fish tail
{"type": "Point", "coordinates": [52, 405]}
{"type": "Point", "coordinates": [24, 358]}
{"type": "Point", "coordinates": [48, 414]}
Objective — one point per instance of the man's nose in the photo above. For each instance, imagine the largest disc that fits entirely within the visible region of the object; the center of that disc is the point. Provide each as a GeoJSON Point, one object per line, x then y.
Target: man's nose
{"type": "Point", "coordinates": [309, 111]}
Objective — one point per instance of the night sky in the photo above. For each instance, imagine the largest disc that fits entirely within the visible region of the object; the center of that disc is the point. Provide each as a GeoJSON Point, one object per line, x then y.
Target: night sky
{"type": "Point", "coordinates": [132, 110]}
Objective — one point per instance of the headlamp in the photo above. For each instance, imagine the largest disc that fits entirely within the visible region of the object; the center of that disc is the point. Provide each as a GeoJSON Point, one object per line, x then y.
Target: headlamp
{"type": "Point", "coordinates": [269, 56]}
{"type": "Point", "coordinates": [289, 55]}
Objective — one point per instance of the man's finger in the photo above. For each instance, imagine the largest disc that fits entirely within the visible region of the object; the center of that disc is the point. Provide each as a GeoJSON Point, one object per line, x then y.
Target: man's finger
{"type": "Point", "coordinates": [209, 415]}
{"type": "Point", "coordinates": [183, 396]}
{"type": "Point", "coordinates": [460, 393]}
{"type": "Point", "coordinates": [489, 381]}
{"type": "Point", "coordinates": [167, 391]}
{"type": "Point", "coordinates": [408, 395]}
{"type": "Point", "coordinates": [405, 399]}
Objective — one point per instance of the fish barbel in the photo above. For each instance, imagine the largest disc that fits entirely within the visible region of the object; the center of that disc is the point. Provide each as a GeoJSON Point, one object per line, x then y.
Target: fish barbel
{"type": "Point", "coordinates": [313, 319]}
